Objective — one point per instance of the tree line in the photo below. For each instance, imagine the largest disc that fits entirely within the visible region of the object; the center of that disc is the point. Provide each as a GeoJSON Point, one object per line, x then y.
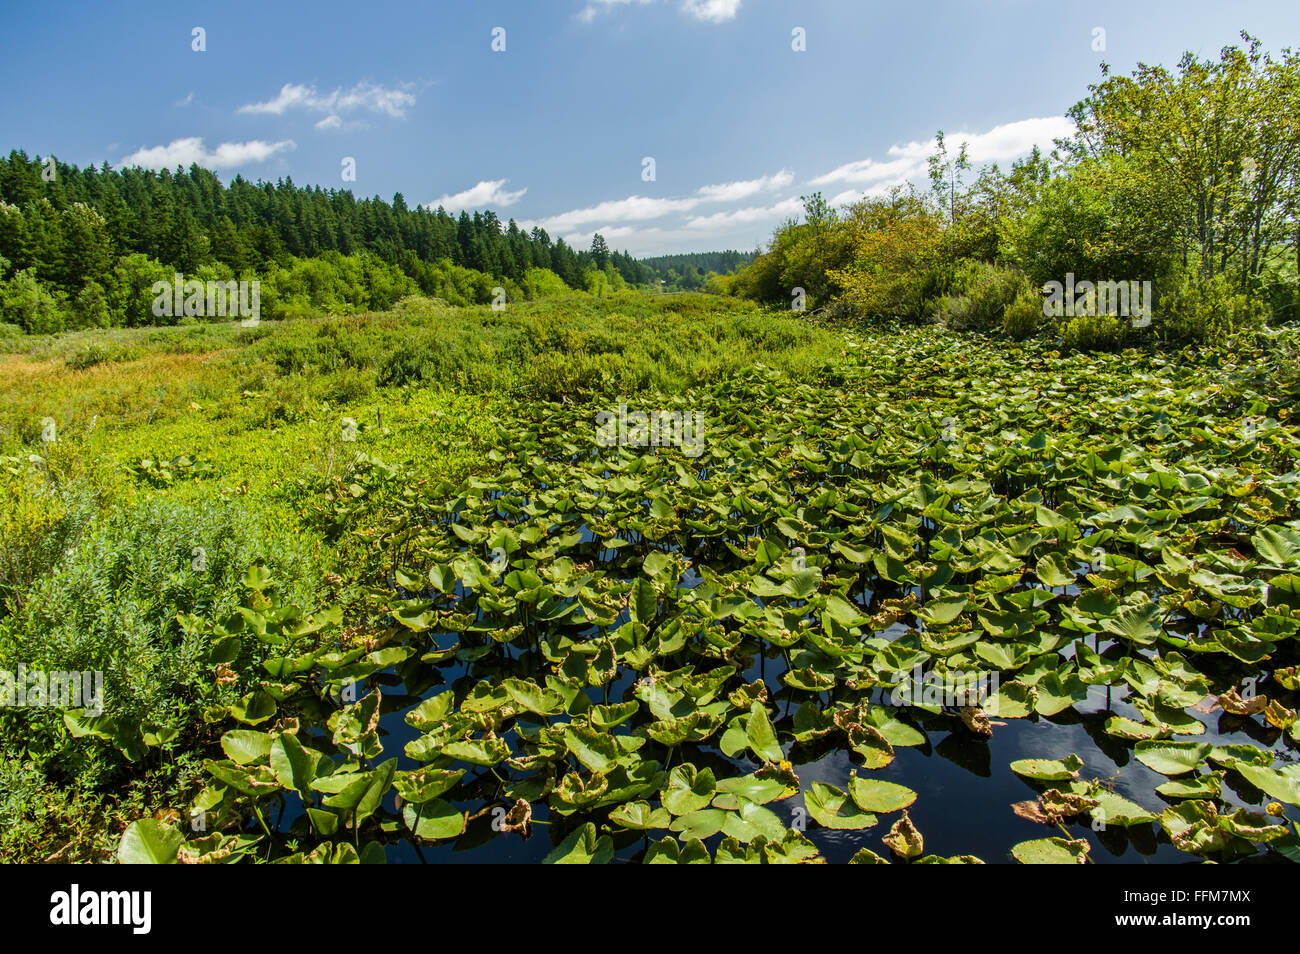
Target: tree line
{"type": "Point", "coordinates": [80, 247]}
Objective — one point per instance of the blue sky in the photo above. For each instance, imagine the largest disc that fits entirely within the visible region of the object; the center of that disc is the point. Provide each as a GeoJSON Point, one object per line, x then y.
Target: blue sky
{"type": "Point", "coordinates": [554, 130]}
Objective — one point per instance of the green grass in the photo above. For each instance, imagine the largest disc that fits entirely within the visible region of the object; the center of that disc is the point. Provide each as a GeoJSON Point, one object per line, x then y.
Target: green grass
{"type": "Point", "coordinates": [98, 523]}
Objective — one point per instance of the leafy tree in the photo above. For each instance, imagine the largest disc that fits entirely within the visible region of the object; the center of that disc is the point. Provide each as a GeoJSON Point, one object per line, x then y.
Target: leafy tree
{"type": "Point", "coordinates": [897, 257]}
{"type": "Point", "coordinates": [1220, 141]}
{"type": "Point", "coordinates": [26, 303]}
{"type": "Point", "coordinates": [90, 308]}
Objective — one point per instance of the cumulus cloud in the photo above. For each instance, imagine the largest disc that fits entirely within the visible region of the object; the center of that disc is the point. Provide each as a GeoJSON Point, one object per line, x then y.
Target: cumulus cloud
{"type": "Point", "coordinates": [183, 152]}
{"type": "Point", "coordinates": [907, 162]}
{"type": "Point", "coordinates": [490, 192]}
{"type": "Point", "coordinates": [363, 97]}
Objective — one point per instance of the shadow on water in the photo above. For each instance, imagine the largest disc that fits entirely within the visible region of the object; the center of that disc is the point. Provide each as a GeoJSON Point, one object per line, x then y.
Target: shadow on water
{"type": "Point", "coordinates": [964, 786]}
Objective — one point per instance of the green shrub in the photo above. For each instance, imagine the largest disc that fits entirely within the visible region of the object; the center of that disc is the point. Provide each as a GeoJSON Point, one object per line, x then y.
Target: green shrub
{"type": "Point", "coordinates": [408, 363]}
{"type": "Point", "coordinates": [981, 294]}
{"type": "Point", "coordinates": [1201, 311]}
{"type": "Point", "coordinates": [1024, 316]}
{"type": "Point", "coordinates": [87, 357]}
{"type": "Point", "coordinates": [113, 603]}
{"type": "Point", "coordinates": [422, 307]}
{"type": "Point", "coordinates": [38, 524]}
{"type": "Point", "coordinates": [1094, 332]}
{"type": "Point", "coordinates": [951, 311]}
{"type": "Point", "coordinates": [553, 375]}
{"type": "Point", "coordinates": [349, 385]}
{"type": "Point", "coordinates": [25, 302]}
{"type": "Point", "coordinates": [544, 283]}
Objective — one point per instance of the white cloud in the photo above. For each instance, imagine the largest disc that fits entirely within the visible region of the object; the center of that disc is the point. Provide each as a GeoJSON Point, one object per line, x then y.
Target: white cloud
{"type": "Point", "coordinates": [183, 152]}
{"type": "Point", "coordinates": [336, 123]}
{"type": "Point", "coordinates": [746, 216]}
{"type": "Point", "coordinates": [907, 162]}
{"type": "Point", "coordinates": [870, 170]}
{"type": "Point", "coordinates": [709, 11]}
{"type": "Point", "coordinates": [645, 241]}
{"type": "Point", "coordinates": [638, 208]}
{"type": "Point", "coordinates": [186, 101]}
{"type": "Point", "coordinates": [713, 11]}
{"type": "Point", "coordinates": [486, 193]}
{"type": "Point", "coordinates": [589, 12]}
{"type": "Point", "coordinates": [733, 191]}
{"type": "Point", "coordinates": [634, 208]}
{"type": "Point", "coordinates": [365, 96]}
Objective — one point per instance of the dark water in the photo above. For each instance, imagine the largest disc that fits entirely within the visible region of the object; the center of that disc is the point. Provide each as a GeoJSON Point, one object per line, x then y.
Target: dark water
{"type": "Point", "coordinates": [964, 786]}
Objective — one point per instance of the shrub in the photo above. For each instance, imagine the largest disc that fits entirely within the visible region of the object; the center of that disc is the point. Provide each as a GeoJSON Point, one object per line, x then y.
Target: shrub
{"type": "Point", "coordinates": [37, 525]}
{"type": "Point", "coordinates": [1201, 311]}
{"type": "Point", "coordinates": [898, 253]}
{"type": "Point", "coordinates": [349, 385]}
{"type": "Point", "coordinates": [25, 302]}
{"type": "Point", "coordinates": [1094, 332]}
{"type": "Point", "coordinates": [89, 356]}
{"type": "Point", "coordinates": [1024, 316]}
{"type": "Point", "coordinates": [111, 604]}
{"type": "Point", "coordinates": [982, 294]}
{"type": "Point", "coordinates": [951, 311]}
{"type": "Point", "coordinates": [554, 376]}
{"type": "Point", "coordinates": [408, 363]}
{"type": "Point", "coordinates": [422, 307]}
{"type": "Point", "coordinates": [544, 283]}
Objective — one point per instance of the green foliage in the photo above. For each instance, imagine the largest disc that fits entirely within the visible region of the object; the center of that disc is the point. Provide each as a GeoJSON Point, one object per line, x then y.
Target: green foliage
{"type": "Point", "coordinates": [543, 283]}
{"type": "Point", "coordinates": [115, 602]}
{"type": "Point", "coordinates": [26, 303]}
{"type": "Point", "coordinates": [898, 259]}
{"type": "Point", "coordinates": [1200, 311]}
{"type": "Point", "coordinates": [802, 256]}
{"type": "Point", "coordinates": [535, 634]}
{"type": "Point", "coordinates": [1213, 147]}
{"type": "Point", "coordinates": [90, 308]}
{"type": "Point", "coordinates": [1024, 315]}
{"type": "Point", "coordinates": [1106, 219]}
{"type": "Point", "coordinates": [1094, 332]}
{"type": "Point", "coordinates": [980, 295]}
{"type": "Point", "coordinates": [40, 523]}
